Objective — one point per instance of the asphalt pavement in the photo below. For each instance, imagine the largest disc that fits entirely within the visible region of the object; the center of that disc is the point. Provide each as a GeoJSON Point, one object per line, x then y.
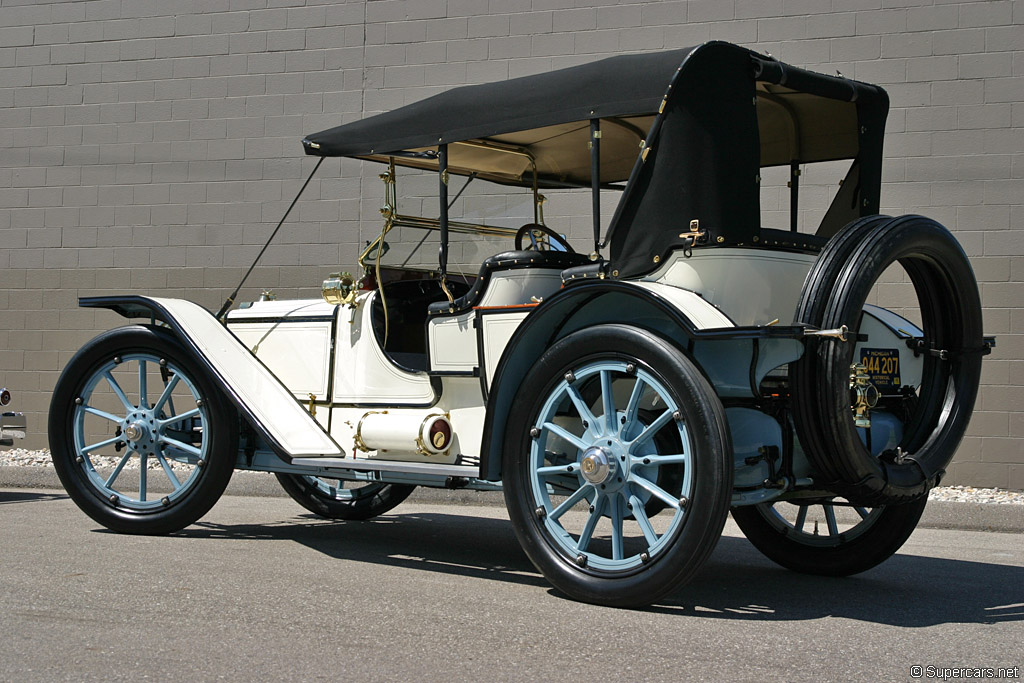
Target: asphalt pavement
{"type": "Point", "coordinates": [260, 590]}
{"type": "Point", "coordinates": [937, 515]}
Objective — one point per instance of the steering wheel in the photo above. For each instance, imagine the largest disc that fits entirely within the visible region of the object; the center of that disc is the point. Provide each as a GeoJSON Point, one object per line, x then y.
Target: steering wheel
{"type": "Point", "coordinates": [530, 228]}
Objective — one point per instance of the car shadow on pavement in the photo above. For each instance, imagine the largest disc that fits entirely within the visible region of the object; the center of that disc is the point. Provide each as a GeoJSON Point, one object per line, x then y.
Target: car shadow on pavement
{"type": "Point", "coordinates": [906, 590]}
{"type": "Point", "coordinates": [451, 544]}
{"type": "Point", "coordinates": [9, 497]}
{"type": "Point", "coordinates": [737, 583]}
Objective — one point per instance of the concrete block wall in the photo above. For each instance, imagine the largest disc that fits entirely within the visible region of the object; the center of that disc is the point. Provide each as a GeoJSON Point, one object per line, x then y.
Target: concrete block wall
{"type": "Point", "coordinates": [151, 145]}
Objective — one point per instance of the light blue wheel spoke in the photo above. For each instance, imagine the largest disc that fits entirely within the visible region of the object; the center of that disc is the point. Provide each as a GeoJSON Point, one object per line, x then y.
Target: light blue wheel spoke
{"type": "Point", "coordinates": [778, 515]}
{"type": "Point", "coordinates": [168, 471]}
{"type": "Point", "coordinates": [652, 429]}
{"type": "Point", "coordinates": [143, 462]}
{"type": "Point", "coordinates": [154, 416]}
{"type": "Point", "coordinates": [624, 450]}
{"type": "Point", "coordinates": [801, 518]}
{"type": "Point", "coordinates": [555, 469]}
{"type": "Point", "coordinates": [588, 528]}
{"type": "Point", "coordinates": [633, 405]}
{"type": "Point", "coordinates": [181, 446]}
{"type": "Point", "coordinates": [178, 418]}
{"type": "Point", "coordinates": [576, 441]}
{"type": "Point", "coordinates": [171, 383]}
{"type": "Point", "coordinates": [830, 519]}
{"type": "Point", "coordinates": [118, 391]}
{"type": "Point", "coordinates": [117, 470]}
{"type": "Point", "coordinates": [640, 514]}
{"type": "Point", "coordinates": [616, 504]}
{"type": "Point", "coordinates": [657, 460]}
{"type": "Point", "coordinates": [99, 413]}
{"type": "Point", "coordinates": [576, 497]}
{"type": "Point", "coordinates": [101, 444]}
{"type": "Point", "coordinates": [656, 490]}
{"type": "Point", "coordinates": [581, 407]}
{"type": "Point", "coordinates": [608, 401]}
{"type": "Point", "coordinates": [142, 385]}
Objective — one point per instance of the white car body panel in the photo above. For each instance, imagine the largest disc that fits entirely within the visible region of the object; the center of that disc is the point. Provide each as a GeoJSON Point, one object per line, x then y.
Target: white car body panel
{"type": "Point", "coordinates": [752, 286]}
{"type": "Point", "coordinates": [263, 394]}
{"type": "Point", "coordinates": [452, 340]}
{"type": "Point", "coordinates": [498, 329]}
{"type": "Point", "coordinates": [363, 374]}
{"type": "Point", "coordinates": [514, 287]}
{"type": "Point", "coordinates": [297, 350]}
{"type": "Point", "coordinates": [701, 313]}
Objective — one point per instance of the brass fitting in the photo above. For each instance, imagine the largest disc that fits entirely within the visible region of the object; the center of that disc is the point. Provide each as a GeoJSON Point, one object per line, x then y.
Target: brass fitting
{"type": "Point", "coordinates": [339, 288]}
{"type": "Point", "coordinates": [865, 395]}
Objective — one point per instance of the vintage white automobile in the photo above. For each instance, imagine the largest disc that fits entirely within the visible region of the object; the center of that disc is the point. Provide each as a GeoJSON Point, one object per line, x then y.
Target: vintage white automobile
{"type": "Point", "coordinates": [623, 399]}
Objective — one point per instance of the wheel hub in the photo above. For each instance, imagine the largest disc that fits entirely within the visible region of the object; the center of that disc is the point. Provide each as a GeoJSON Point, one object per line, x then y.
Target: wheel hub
{"type": "Point", "coordinates": [598, 465]}
{"type": "Point", "coordinates": [139, 430]}
{"type": "Point", "coordinates": [134, 431]}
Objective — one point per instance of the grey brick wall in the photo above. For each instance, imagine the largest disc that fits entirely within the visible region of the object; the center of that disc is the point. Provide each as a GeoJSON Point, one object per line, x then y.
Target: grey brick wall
{"type": "Point", "coordinates": [150, 145]}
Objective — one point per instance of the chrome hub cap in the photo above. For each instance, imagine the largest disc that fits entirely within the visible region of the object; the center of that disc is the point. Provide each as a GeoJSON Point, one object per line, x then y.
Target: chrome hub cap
{"type": "Point", "coordinates": [134, 431]}
{"type": "Point", "coordinates": [598, 465]}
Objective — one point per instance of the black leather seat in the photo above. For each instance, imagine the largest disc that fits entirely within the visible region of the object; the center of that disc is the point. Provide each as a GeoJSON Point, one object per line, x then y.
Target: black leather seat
{"type": "Point", "coordinates": [506, 260]}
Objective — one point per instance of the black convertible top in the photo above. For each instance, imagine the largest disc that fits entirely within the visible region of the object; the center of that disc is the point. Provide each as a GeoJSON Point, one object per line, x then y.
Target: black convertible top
{"type": "Point", "coordinates": [538, 108]}
{"type": "Point", "coordinates": [689, 129]}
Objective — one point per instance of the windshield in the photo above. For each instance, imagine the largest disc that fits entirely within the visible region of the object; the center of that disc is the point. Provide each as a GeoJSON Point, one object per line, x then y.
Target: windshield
{"type": "Point", "coordinates": [483, 220]}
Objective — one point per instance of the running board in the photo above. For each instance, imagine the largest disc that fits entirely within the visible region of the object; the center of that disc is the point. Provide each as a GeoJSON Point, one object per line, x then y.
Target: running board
{"type": "Point", "coordinates": [372, 464]}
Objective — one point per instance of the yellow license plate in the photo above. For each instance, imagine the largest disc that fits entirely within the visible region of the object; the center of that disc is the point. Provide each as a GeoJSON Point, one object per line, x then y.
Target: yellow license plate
{"type": "Point", "coordinates": [883, 367]}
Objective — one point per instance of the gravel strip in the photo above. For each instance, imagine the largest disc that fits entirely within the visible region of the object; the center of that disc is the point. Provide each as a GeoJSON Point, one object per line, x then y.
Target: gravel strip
{"type": "Point", "coordinates": [20, 457]}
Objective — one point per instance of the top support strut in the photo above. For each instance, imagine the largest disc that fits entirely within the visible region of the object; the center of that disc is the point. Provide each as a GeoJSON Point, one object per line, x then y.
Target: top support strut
{"type": "Point", "coordinates": [595, 181]}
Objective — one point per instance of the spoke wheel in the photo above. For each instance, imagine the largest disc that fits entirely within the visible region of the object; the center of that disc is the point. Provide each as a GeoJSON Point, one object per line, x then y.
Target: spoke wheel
{"type": "Point", "coordinates": [829, 537]}
{"type": "Point", "coordinates": [339, 499]}
{"type": "Point", "coordinates": [834, 294]}
{"type": "Point", "coordinates": [140, 439]}
{"type": "Point", "coordinates": [584, 477]}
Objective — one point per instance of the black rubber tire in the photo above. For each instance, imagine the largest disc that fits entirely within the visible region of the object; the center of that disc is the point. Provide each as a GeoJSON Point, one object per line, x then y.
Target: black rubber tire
{"type": "Point", "coordinates": [834, 294]}
{"type": "Point", "coordinates": [368, 501]}
{"type": "Point", "coordinates": [705, 513]}
{"type": "Point", "coordinates": [222, 430]}
{"type": "Point", "coordinates": [865, 549]}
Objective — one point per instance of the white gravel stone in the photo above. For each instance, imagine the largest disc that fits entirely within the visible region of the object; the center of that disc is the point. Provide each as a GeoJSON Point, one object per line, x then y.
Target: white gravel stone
{"type": "Point", "coordinates": [20, 457]}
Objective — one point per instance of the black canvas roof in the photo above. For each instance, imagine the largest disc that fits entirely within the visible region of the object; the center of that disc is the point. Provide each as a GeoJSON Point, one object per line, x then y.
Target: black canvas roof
{"type": "Point", "coordinates": [618, 87]}
{"type": "Point", "coordinates": [689, 129]}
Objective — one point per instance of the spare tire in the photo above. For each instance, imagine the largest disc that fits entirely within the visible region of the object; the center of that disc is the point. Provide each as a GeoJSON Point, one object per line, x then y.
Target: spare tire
{"type": "Point", "coordinates": [834, 295]}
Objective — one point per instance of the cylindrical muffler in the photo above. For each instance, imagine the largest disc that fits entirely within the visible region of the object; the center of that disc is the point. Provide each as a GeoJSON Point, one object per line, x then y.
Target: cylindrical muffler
{"type": "Point", "coordinates": [404, 433]}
